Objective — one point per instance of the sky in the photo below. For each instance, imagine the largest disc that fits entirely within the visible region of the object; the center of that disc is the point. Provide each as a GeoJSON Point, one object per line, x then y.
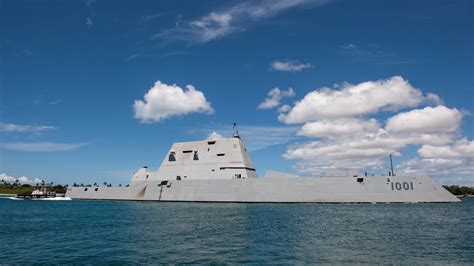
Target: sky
{"type": "Point", "coordinates": [90, 91]}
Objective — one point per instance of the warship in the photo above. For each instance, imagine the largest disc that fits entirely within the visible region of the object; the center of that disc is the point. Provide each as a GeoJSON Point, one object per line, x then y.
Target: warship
{"type": "Point", "coordinates": [220, 170]}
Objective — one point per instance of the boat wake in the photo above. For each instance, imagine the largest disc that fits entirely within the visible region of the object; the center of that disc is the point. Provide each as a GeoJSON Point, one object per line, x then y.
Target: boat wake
{"type": "Point", "coordinates": [14, 198]}
{"type": "Point", "coordinates": [56, 198]}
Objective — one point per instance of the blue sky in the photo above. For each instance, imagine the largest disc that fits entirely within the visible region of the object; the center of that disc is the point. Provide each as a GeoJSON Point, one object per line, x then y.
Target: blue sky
{"type": "Point", "coordinates": [398, 76]}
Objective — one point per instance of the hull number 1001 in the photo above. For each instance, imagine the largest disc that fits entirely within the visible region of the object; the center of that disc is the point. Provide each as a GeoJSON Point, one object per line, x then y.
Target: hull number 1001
{"type": "Point", "coordinates": [402, 186]}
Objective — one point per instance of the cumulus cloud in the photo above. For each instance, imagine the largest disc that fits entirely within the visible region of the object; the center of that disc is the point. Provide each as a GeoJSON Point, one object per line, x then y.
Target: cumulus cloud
{"type": "Point", "coordinates": [428, 119]}
{"type": "Point", "coordinates": [359, 151]}
{"type": "Point", "coordinates": [371, 145]}
{"type": "Point", "coordinates": [451, 164]}
{"type": "Point", "coordinates": [41, 146]}
{"type": "Point", "coordinates": [214, 135]}
{"type": "Point", "coordinates": [284, 108]}
{"type": "Point", "coordinates": [343, 135]}
{"type": "Point", "coordinates": [22, 179]}
{"type": "Point", "coordinates": [16, 128]}
{"type": "Point", "coordinates": [289, 65]}
{"type": "Point", "coordinates": [338, 127]}
{"type": "Point", "coordinates": [362, 143]}
{"type": "Point", "coordinates": [274, 97]}
{"type": "Point", "coordinates": [217, 24]}
{"type": "Point", "coordinates": [461, 149]}
{"type": "Point", "coordinates": [163, 101]}
{"type": "Point", "coordinates": [354, 100]}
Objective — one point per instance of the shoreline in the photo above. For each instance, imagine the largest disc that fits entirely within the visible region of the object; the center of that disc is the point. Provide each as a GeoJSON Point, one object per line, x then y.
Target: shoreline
{"type": "Point", "coordinates": [7, 195]}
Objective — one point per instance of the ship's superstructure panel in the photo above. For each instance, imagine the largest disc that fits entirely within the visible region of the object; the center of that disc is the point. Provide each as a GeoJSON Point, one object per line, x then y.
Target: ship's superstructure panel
{"type": "Point", "coordinates": [212, 159]}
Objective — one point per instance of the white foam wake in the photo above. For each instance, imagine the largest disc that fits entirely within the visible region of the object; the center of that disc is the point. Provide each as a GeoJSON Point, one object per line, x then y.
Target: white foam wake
{"type": "Point", "coordinates": [56, 198]}
{"type": "Point", "coordinates": [14, 198]}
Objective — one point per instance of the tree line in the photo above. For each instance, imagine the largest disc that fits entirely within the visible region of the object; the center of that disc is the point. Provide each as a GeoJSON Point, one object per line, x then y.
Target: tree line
{"type": "Point", "coordinates": [460, 190]}
{"type": "Point", "coordinates": [18, 188]}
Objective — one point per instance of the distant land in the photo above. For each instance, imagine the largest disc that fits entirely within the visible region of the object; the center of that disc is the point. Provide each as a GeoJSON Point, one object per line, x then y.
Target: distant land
{"type": "Point", "coordinates": [19, 189]}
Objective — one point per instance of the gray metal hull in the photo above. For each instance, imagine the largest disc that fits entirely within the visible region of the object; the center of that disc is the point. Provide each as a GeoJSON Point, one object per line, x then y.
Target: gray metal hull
{"type": "Point", "coordinates": [277, 190]}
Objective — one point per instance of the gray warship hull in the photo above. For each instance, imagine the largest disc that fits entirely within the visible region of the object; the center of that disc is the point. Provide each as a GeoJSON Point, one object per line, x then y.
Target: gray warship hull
{"type": "Point", "coordinates": [221, 171]}
{"type": "Point", "coordinates": [373, 189]}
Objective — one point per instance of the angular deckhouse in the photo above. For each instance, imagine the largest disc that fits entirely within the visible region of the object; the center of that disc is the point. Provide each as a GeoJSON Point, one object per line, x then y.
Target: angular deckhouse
{"type": "Point", "coordinates": [221, 171]}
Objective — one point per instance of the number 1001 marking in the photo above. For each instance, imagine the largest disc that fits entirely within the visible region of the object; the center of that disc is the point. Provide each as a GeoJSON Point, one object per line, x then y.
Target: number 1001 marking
{"type": "Point", "coordinates": [400, 186]}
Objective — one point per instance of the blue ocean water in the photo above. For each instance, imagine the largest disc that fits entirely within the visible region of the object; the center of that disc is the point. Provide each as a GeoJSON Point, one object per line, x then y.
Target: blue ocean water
{"type": "Point", "coordinates": [95, 232]}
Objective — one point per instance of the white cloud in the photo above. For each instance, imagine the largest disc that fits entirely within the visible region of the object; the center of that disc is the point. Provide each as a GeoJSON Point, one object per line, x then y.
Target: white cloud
{"type": "Point", "coordinates": [22, 179]}
{"type": "Point", "coordinates": [289, 65]}
{"type": "Point", "coordinates": [15, 128]}
{"type": "Point", "coordinates": [461, 149]}
{"type": "Point", "coordinates": [428, 119]}
{"type": "Point", "coordinates": [344, 135]}
{"type": "Point", "coordinates": [354, 100]}
{"type": "Point", "coordinates": [41, 146]}
{"type": "Point", "coordinates": [7, 178]}
{"type": "Point", "coordinates": [217, 24]}
{"type": "Point", "coordinates": [349, 46]}
{"type": "Point", "coordinates": [258, 137]}
{"type": "Point", "coordinates": [274, 97]}
{"type": "Point", "coordinates": [284, 108]}
{"type": "Point", "coordinates": [214, 135]}
{"type": "Point", "coordinates": [213, 26]}
{"type": "Point", "coordinates": [89, 22]}
{"type": "Point", "coordinates": [434, 98]}
{"type": "Point", "coordinates": [358, 152]}
{"type": "Point", "coordinates": [338, 127]}
{"type": "Point", "coordinates": [163, 101]}
{"type": "Point", "coordinates": [371, 145]}
{"type": "Point", "coordinates": [451, 164]}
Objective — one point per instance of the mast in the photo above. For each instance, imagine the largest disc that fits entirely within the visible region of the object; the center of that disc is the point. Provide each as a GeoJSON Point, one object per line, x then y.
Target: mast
{"type": "Point", "coordinates": [391, 165]}
{"type": "Point", "coordinates": [236, 132]}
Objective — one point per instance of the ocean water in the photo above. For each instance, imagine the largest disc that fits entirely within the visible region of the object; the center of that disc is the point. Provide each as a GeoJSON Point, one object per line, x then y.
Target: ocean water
{"type": "Point", "coordinates": [95, 232]}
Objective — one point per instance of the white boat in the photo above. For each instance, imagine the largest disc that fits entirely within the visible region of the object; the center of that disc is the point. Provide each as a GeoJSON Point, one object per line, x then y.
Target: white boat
{"type": "Point", "coordinates": [43, 192]}
{"type": "Point", "coordinates": [221, 171]}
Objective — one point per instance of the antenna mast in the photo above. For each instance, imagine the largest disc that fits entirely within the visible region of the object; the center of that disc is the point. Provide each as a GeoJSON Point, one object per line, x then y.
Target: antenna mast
{"type": "Point", "coordinates": [391, 165]}
{"type": "Point", "coordinates": [236, 132]}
